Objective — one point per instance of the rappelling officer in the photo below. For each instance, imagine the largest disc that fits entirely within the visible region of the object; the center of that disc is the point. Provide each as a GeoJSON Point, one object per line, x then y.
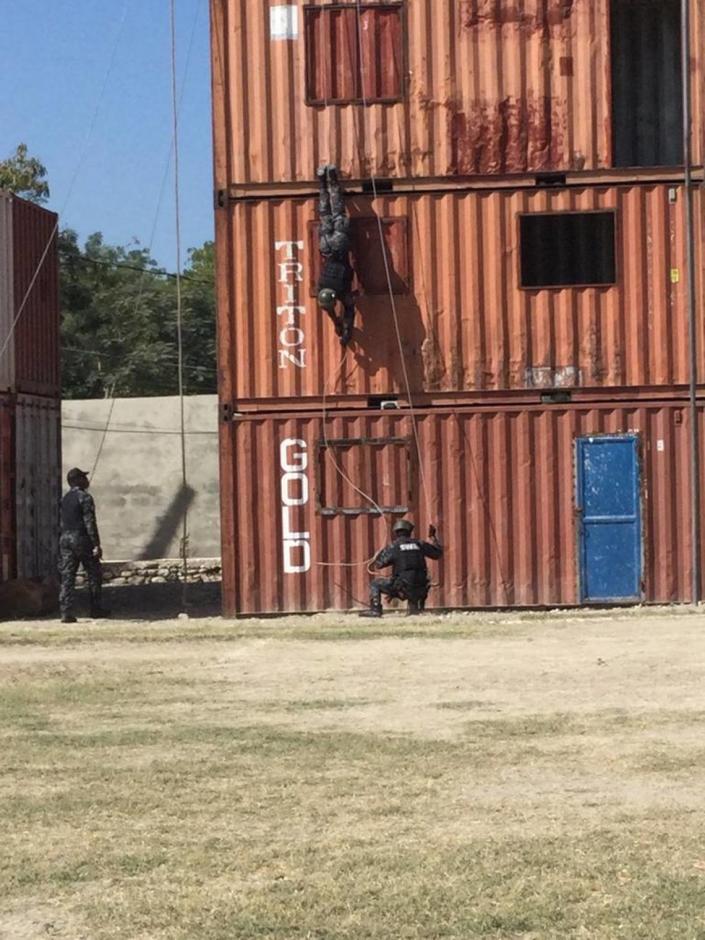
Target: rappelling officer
{"type": "Point", "coordinates": [335, 281]}
{"type": "Point", "coordinates": [407, 557]}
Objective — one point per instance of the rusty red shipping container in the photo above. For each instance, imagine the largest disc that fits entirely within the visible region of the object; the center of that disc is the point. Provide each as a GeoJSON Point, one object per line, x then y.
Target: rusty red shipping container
{"type": "Point", "coordinates": [424, 89]}
{"type": "Point", "coordinates": [466, 323]}
{"type": "Point", "coordinates": [30, 485]}
{"type": "Point", "coordinates": [29, 299]}
{"type": "Point", "coordinates": [500, 483]}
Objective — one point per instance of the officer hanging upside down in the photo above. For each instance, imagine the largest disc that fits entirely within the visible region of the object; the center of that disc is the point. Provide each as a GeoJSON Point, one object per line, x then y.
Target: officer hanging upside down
{"type": "Point", "coordinates": [79, 545]}
{"type": "Point", "coordinates": [409, 580]}
{"type": "Point", "coordinates": [335, 281]}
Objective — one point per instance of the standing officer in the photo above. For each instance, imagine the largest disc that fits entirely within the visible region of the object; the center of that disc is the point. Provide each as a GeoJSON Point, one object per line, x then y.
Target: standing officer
{"type": "Point", "coordinates": [79, 545]}
{"type": "Point", "coordinates": [409, 580]}
{"type": "Point", "coordinates": [335, 281]}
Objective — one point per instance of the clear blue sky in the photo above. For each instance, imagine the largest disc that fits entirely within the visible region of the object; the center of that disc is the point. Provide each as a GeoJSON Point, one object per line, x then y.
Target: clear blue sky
{"type": "Point", "coordinates": [54, 57]}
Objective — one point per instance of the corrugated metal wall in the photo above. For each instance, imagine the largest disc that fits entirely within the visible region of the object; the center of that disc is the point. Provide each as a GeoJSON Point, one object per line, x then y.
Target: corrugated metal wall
{"type": "Point", "coordinates": [37, 484]}
{"type": "Point", "coordinates": [7, 305]}
{"type": "Point", "coordinates": [8, 539]}
{"type": "Point", "coordinates": [499, 483]}
{"type": "Point", "coordinates": [30, 486]}
{"type": "Point", "coordinates": [36, 290]}
{"type": "Point", "coordinates": [465, 322]}
{"type": "Point", "coordinates": [488, 88]}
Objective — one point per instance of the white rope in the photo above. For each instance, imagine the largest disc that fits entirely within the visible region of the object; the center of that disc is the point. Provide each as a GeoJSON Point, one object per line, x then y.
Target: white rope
{"type": "Point", "coordinates": [388, 275]}
{"type": "Point", "coordinates": [157, 213]}
{"type": "Point", "coordinates": [179, 305]}
{"type": "Point", "coordinates": [72, 183]}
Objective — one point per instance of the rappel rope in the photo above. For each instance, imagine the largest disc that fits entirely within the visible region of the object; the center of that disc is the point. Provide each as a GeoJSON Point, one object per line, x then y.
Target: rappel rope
{"type": "Point", "coordinates": [157, 212]}
{"type": "Point", "coordinates": [390, 288]}
{"type": "Point", "coordinates": [179, 305]}
{"type": "Point", "coordinates": [397, 330]}
{"type": "Point", "coordinates": [72, 183]}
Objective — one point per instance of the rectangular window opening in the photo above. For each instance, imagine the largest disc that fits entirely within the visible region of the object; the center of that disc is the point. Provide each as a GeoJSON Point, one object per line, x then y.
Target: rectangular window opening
{"type": "Point", "coordinates": [379, 468]}
{"type": "Point", "coordinates": [647, 87]}
{"type": "Point", "coordinates": [354, 53]}
{"type": "Point", "coordinates": [568, 249]}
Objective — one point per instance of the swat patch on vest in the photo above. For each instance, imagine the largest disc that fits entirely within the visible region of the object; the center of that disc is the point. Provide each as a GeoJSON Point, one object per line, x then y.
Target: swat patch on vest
{"type": "Point", "coordinates": [410, 547]}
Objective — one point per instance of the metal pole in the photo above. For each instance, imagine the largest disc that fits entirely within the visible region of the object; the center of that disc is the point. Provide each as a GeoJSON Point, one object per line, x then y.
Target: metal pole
{"type": "Point", "coordinates": [692, 311]}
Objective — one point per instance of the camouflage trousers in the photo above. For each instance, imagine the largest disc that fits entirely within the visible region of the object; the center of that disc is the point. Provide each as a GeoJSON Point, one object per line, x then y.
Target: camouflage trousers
{"type": "Point", "coordinates": [76, 550]}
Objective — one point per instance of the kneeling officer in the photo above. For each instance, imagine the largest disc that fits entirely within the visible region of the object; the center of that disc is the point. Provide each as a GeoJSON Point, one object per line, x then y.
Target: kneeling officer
{"type": "Point", "coordinates": [407, 557]}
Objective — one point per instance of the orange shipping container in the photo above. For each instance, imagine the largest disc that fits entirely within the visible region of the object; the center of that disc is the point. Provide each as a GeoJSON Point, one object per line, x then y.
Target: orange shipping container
{"type": "Point", "coordinates": [466, 270]}
{"type": "Point", "coordinates": [29, 298]}
{"type": "Point", "coordinates": [422, 88]}
{"type": "Point", "coordinates": [500, 483]}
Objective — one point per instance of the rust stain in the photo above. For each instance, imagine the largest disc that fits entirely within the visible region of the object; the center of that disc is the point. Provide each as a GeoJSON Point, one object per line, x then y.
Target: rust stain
{"type": "Point", "coordinates": [474, 13]}
{"type": "Point", "coordinates": [514, 136]}
{"type": "Point", "coordinates": [433, 365]}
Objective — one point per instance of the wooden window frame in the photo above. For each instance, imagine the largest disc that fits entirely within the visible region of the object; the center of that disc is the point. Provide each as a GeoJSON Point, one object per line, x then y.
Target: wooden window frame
{"type": "Point", "coordinates": [341, 102]}
{"type": "Point", "coordinates": [367, 509]}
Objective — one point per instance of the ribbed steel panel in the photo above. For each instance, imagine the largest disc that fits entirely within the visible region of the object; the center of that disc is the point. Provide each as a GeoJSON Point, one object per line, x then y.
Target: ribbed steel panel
{"type": "Point", "coordinates": [8, 539]}
{"type": "Point", "coordinates": [37, 429]}
{"type": "Point", "coordinates": [7, 306]}
{"type": "Point", "coordinates": [499, 482]}
{"type": "Point", "coordinates": [465, 323]}
{"type": "Point", "coordinates": [36, 293]}
{"type": "Point", "coordinates": [490, 88]}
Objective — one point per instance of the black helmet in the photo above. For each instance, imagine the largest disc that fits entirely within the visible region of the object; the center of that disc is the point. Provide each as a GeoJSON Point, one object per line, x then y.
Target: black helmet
{"type": "Point", "coordinates": [403, 525]}
{"type": "Point", "coordinates": [327, 299]}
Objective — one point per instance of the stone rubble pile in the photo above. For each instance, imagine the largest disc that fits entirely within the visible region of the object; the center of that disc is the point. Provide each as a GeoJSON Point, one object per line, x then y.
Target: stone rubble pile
{"type": "Point", "coordinates": [200, 570]}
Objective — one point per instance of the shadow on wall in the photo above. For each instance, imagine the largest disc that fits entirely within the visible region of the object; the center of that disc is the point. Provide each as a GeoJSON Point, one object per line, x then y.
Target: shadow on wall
{"type": "Point", "coordinates": [168, 525]}
{"type": "Point", "coordinates": [375, 343]}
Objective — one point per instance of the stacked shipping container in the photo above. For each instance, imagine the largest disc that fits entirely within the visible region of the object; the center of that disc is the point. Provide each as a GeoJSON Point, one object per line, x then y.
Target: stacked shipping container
{"type": "Point", "coordinates": [30, 438]}
{"type": "Point", "coordinates": [521, 167]}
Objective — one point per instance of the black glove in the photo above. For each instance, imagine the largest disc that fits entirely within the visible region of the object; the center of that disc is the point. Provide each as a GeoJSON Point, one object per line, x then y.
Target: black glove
{"type": "Point", "coordinates": [432, 531]}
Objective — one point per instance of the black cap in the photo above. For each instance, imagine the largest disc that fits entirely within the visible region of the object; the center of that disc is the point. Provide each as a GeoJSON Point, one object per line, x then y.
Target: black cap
{"type": "Point", "coordinates": [74, 475]}
{"type": "Point", "coordinates": [403, 525]}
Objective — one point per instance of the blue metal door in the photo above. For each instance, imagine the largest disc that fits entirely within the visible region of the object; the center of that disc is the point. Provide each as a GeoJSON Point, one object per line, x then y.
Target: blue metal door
{"type": "Point", "coordinates": [608, 510]}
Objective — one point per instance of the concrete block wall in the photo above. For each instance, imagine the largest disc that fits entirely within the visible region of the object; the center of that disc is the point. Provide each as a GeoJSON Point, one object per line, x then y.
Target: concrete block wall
{"type": "Point", "coordinates": [137, 484]}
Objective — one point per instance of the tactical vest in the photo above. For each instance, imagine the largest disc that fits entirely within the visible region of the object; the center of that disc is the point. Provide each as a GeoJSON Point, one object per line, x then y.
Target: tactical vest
{"type": "Point", "coordinates": [72, 514]}
{"type": "Point", "coordinates": [336, 276]}
{"type": "Point", "coordinates": [410, 564]}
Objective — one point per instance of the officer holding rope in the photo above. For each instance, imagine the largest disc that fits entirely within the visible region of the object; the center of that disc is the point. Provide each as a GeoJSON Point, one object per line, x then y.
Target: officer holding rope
{"type": "Point", "coordinates": [407, 558]}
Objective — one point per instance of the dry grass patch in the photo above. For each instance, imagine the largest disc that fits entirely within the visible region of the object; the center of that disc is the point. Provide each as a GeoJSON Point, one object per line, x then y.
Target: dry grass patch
{"type": "Point", "coordinates": [164, 793]}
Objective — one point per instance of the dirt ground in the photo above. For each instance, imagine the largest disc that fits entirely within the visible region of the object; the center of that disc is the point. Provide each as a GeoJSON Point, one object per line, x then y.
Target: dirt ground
{"type": "Point", "coordinates": [534, 775]}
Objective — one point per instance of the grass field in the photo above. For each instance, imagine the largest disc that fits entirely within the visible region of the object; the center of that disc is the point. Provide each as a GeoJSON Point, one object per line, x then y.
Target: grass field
{"type": "Point", "coordinates": [459, 777]}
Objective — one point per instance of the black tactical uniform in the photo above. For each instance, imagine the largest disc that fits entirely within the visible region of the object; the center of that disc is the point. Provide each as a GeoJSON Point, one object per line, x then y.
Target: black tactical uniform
{"type": "Point", "coordinates": [79, 545]}
{"type": "Point", "coordinates": [335, 281]}
{"type": "Point", "coordinates": [409, 581]}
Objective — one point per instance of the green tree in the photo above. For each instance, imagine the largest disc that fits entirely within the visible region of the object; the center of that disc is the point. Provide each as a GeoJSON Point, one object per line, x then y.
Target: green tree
{"type": "Point", "coordinates": [25, 176]}
{"type": "Point", "coordinates": [119, 321]}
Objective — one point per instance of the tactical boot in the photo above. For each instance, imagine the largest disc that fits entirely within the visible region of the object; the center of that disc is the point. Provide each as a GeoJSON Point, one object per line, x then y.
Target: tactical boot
{"type": "Point", "coordinates": [67, 618]}
{"type": "Point", "coordinates": [413, 609]}
{"type": "Point", "coordinates": [372, 612]}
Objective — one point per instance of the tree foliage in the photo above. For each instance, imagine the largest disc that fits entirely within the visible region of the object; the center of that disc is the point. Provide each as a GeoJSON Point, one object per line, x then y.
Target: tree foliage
{"type": "Point", "coordinates": [119, 314]}
{"type": "Point", "coordinates": [25, 176]}
{"type": "Point", "coordinates": [119, 310]}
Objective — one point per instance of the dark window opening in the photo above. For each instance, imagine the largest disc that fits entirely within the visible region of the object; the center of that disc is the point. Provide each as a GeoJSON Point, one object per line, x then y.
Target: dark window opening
{"type": "Point", "coordinates": [354, 53]}
{"type": "Point", "coordinates": [647, 89]}
{"type": "Point", "coordinates": [563, 249]}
